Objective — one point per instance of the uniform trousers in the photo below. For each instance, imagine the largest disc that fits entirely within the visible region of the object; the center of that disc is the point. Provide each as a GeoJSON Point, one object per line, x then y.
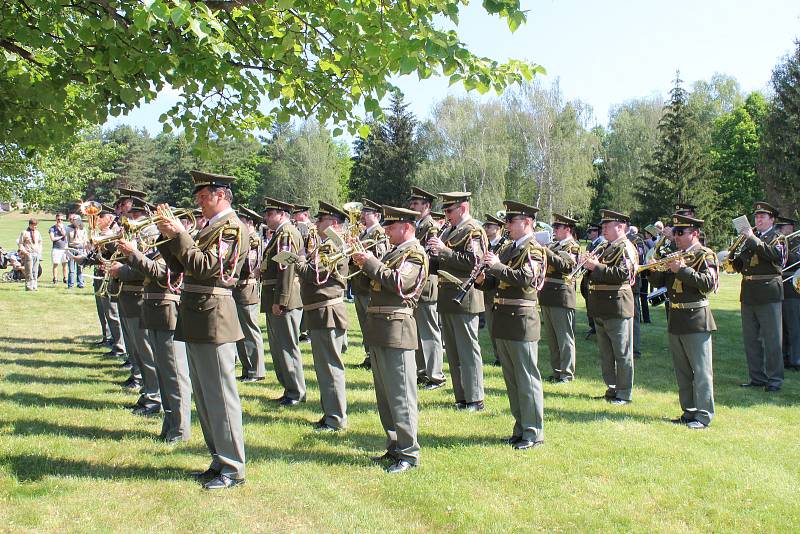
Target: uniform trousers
{"type": "Point", "coordinates": [362, 302]}
{"type": "Point", "coordinates": [488, 314]}
{"type": "Point", "coordinates": [173, 382]}
{"type": "Point", "coordinates": [251, 347]}
{"type": "Point", "coordinates": [519, 361]}
{"type": "Point", "coordinates": [460, 336]}
{"type": "Point", "coordinates": [140, 348]}
{"type": "Point", "coordinates": [111, 314]}
{"type": "Point", "coordinates": [105, 331]}
{"type": "Point", "coordinates": [691, 356]}
{"type": "Point", "coordinates": [791, 321]}
{"type": "Point", "coordinates": [615, 343]}
{"type": "Point", "coordinates": [212, 370]}
{"type": "Point", "coordinates": [394, 373]}
{"type": "Point", "coordinates": [762, 333]}
{"type": "Point", "coordinates": [284, 332]}
{"type": "Point", "coordinates": [559, 330]}
{"type": "Point", "coordinates": [326, 348]}
{"type": "Point", "coordinates": [429, 355]}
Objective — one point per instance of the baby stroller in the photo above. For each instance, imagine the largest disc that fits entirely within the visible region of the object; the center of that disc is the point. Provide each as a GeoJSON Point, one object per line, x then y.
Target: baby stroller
{"type": "Point", "coordinates": [11, 261]}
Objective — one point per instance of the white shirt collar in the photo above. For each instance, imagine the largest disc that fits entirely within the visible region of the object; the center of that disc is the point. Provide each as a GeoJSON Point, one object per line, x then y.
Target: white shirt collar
{"type": "Point", "coordinates": [565, 240]}
{"type": "Point", "coordinates": [467, 217]}
{"type": "Point", "coordinates": [496, 240]}
{"type": "Point", "coordinates": [219, 216]}
{"type": "Point", "coordinates": [371, 228]}
{"type": "Point", "coordinates": [524, 239]}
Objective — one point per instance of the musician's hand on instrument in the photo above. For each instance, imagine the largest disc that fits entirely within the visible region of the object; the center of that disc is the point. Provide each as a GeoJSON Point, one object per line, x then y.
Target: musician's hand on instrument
{"type": "Point", "coordinates": [114, 268]}
{"type": "Point", "coordinates": [480, 278]}
{"type": "Point", "coordinates": [748, 232]}
{"type": "Point", "coordinates": [590, 262]}
{"type": "Point", "coordinates": [360, 258]}
{"type": "Point", "coordinates": [126, 247]}
{"type": "Point", "coordinates": [435, 245]}
{"type": "Point", "coordinates": [169, 228]}
{"type": "Point", "coordinates": [277, 309]}
{"type": "Point", "coordinates": [675, 265]}
{"type": "Point", "coordinates": [490, 259]}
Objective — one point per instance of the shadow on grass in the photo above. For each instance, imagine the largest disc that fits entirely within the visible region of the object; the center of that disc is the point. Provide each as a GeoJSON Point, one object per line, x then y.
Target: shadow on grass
{"type": "Point", "coordinates": [35, 427]}
{"type": "Point", "coordinates": [48, 341]}
{"type": "Point", "coordinates": [60, 364]}
{"type": "Point", "coordinates": [23, 378]}
{"type": "Point", "coordinates": [37, 401]}
{"type": "Point", "coordinates": [34, 467]}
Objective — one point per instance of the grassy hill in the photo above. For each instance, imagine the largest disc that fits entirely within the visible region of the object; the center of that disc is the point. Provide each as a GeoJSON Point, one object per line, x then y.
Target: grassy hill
{"type": "Point", "coordinates": [73, 459]}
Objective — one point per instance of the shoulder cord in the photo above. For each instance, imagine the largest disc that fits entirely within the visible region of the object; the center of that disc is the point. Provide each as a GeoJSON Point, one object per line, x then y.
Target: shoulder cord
{"type": "Point", "coordinates": [397, 265]}
{"type": "Point", "coordinates": [538, 279]}
{"type": "Point", "coordinates": [235, 259]}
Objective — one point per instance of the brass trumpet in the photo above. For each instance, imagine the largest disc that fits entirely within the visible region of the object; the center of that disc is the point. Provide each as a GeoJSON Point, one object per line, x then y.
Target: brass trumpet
{"type": "Point", "coordinates": [660, 265]}
{"type": "Point", "coordinates": [142, 229]}
{"type": "Point", "coordinates": [580, 269]}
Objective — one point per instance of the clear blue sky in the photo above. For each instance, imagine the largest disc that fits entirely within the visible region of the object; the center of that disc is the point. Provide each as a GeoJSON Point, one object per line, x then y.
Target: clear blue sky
{"type": "Point", "coordinates": [604, 53]}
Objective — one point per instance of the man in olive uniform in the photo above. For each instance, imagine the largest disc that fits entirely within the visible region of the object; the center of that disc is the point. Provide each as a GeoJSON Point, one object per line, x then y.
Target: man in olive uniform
{"type": "Point", "coordinates": [460, 248]}
{"type": "Point", "coordinates": [208, 322]}
{"type": "Point", "coordinates": [280, 300]}
{"type": "Point", "coordinates": [137, 338]}
{"type": "Point", "coordinates": [322, 291]}
{"type": "Point", "coordinates": [690, 323]}
{"type": "Point", "coordinates": [557, 298]}
{"type": "Point", "coordinates": [594, 239]}
{"type": "Point", "coordinates": [159, 318]}
{"type": "Point", "coordinates": [308, 236]}
{"type": "Point", "coordinates": [108, 308]}
{"type": "Point", "coordinates": [516, 272]}
{"type": "Point", "coordinates": [761, 264]}
{"type": "Point", "coordinates": [246, 295]}
{"type": "Point", "coordinates": [790, 308]}
{"type": "Point", "coordinates": [397, 280]}
{"type": "Point", "coordinates": [373, 232]}
{"type": "Point", "coordinates": [495, 237]}
{"type": "Point", "coordinates": [430, 354]}
{"type": "Point", "coordinates": [611, 278]}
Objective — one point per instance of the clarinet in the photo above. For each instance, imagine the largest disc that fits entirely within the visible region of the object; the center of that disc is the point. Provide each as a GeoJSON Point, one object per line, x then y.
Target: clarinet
{"type": "Point", "coordinates": [468, 284]}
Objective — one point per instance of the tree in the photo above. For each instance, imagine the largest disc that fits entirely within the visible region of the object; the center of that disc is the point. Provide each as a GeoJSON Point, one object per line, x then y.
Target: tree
{"type": "Point", "coordinates": [780, 161]}
{"type": "Point", "coordinates": [385, 163]}
{"type": "Point", "coordinates": [626, 148]}
{"type": "Point", "coordinates": [678, 171]}
{"type": "Point", "coordinates": [735, 153]}
{"type": "Point", "coordinates": [466, 148]}
{"type": "Point", "coordinates": [238, 65]}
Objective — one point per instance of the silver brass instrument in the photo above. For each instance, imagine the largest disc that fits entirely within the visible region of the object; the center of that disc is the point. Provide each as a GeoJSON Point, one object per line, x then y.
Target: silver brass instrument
{"type": "Point", "coordinates": [580, 269]}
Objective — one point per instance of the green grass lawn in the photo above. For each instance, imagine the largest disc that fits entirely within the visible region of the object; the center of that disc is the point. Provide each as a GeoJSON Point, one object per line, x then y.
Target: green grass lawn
{"type": "Point", "coordinates": [72, 458]}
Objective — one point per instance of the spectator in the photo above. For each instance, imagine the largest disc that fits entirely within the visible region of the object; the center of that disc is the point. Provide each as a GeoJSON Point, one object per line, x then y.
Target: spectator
{"type": "Point", "coordinates": [58, 236]}
{"type": "Point", "coordinates": [29, 246]}
{"type": "Point", "coordinates": [76, 243]}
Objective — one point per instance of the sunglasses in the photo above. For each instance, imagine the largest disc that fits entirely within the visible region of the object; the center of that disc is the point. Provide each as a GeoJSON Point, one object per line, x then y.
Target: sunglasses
{"type": "Point", "coordinates": [682, 231]}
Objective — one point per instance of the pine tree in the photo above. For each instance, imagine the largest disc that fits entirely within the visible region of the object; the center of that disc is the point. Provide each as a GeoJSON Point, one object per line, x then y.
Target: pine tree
{"type": "Point", "coordinates": [385, 163]}
{"type": "Point", "coordinates": [678, 171]}
{"type": "Point", "coordinates": [780, 162]}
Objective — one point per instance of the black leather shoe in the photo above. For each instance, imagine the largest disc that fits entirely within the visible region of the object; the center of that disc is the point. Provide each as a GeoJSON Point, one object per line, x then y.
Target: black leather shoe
{"type": "Point", "coordinates": [304, 338]}
{"type": "Point", "coordinates": [511, 440]}
{"type": "Point", "coordinates": [610, 394]}
{"type": "Point", "coordinates": [204, 476]}
{"type": "Point", "coordinates": [751, 384]}
{"type": "Point", "coordinates": [771, 389]}
{"type": "Point", "coordinates": [460, 405]}
{"type": "Point", "coordinates": [366, 364]}
{"type": "Point", "coordinates": [696, 425]}
{"type": "Point", "coordinates": [131, 385]}
{"type": "Point", "coordinates": [523, 444]}
{"type": "Point", "coordinates": [325, 427]}
{"type": "Point", "coordinates": [497, 363]}
{"type": "Point", "coordinates": [399, 467]}
{"type": "Point", "coordinates": [430, 386]}
{"type": "Point", "coordinates": [147, 412]}
{"type": "Point", "coordinates": [618, 402]}
{"type": "Point", "coordinates": [223, 482]}
{"type": "Point", "coordinates": [422, 380]}
{"type": "Point", "coordinates": [125, 365]}
{"type": "Point", "coordinates": [681, 421]}
{"type": "Point", "coordinates": [101, 342]}
{"type": "Point", "coordinates": [252, 379]}
{"type": "Point", "coordinates": [476, 406]}
{"type": "Point", "coordinates": [287, 402]}
{"type": "Point", "coordinates": [385, 457]}
{"type": "Point", "coordinates": [563, 380]}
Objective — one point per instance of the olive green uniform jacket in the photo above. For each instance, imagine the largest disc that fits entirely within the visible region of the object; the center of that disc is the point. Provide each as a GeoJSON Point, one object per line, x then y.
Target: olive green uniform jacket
{"type": "Point", "coordinates": [515, 280]}
{"type": "Point", "coordinates": [314, 295]}
{"type": "Point", "coordinates": [390, 317]}
{"type": "Point", "coordinates": [465, 243]}
{"type": "Point", "coordinates": [691, 284]}
{"type": "Point", "coordinates": [430, 291]}
{"type": "Point", "coordinates": [210, 316]}
{"type": "Point", "coordinates": [562, 257]}
{"type": "Point", "coordinates": [761, 263]}
{"type": "Point", "coordinates": [610, 283]}
{"type": "Point", "coordinates": [279, 285]}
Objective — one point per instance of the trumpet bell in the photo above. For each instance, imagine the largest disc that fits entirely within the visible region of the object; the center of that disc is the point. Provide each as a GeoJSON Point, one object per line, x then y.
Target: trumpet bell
{"type": "Point", "coordinates": [796, 280]}
{"type": "Point", "coordinates": [353, 207]}
{"type": "Point", "coordinates": [90, 208]}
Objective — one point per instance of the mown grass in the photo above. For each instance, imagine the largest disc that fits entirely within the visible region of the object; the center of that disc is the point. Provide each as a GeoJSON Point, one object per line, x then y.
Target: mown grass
{"type": "Point", "coordinates": [72, 459]}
